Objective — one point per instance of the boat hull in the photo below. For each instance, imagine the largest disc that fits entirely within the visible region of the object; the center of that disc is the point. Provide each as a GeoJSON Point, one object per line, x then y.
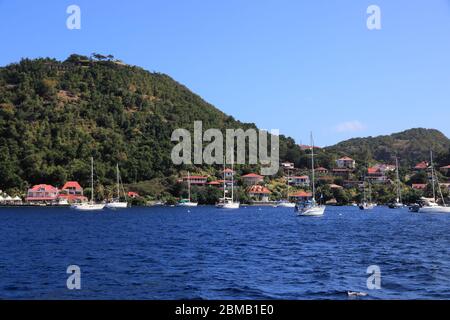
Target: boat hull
{"type": "Point", "coordinates": [434, 209]}
{"type": "Point", "coordinates": [366, 206]}
{"type": "Point", "coordinates": [228, 205]}
{"type": "Point", "coordinates": [117, 205]}
{"type": "Point", "coordinates": [88, 207]}
{"type": "Point", "coordinates": [312, 212]}
{"type": "Point", "coordinates": [188, 204]}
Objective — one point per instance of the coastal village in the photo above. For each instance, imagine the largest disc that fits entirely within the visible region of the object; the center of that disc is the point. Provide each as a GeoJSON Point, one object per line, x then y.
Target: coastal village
{"type": "Point", "coordinates": [342, 184]}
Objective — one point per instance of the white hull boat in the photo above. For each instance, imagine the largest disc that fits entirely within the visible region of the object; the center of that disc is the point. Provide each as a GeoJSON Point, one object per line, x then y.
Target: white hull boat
{"type": "Point", "coordinates": [312, 208]}
{"type": "Point", "coordinates": [434, 208]}
{"type": "Point", "coordinates": [367, 206]}
{"type": "Point", "coordinates": [116, 205]}
{"type": "Point", "coordinates": [187, 204]}
{"type": "Point", "coordinates": [314, 211]}
{"type": "Point", "coordinates": [88, 206]}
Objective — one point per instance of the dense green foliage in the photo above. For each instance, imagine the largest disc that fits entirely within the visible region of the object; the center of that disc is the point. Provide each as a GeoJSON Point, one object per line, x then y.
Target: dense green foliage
{"type": "Point", "coordinates": [55, 115]}
{"type": "Point", "coordinates": [411, 146]}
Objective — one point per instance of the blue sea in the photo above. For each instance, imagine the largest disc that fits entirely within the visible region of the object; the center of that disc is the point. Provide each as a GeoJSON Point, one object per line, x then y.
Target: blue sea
{"type": "Point", "coordinates": [208, 253]}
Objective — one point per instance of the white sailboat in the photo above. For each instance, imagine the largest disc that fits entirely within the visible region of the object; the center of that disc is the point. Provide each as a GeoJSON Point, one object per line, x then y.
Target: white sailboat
{"type": "Point", "coordinates": [367, 205]}
{"type": "Point", "coordinates": [116, 203]}
{"type": "Point", "coordinates": [312, 208]}
{"type": "Point", "coordinates": [398, 202]}
{"type": "Point", "coordinates": [89, 206]}
{"type": "Point", "coordinates": [433, 207]}
{"type": "Point", "coordinates": [226, 202]}
{"type": "Point", "coordinates": [286, 203]}
{"type": "Point", "coordinates": [187, 202]}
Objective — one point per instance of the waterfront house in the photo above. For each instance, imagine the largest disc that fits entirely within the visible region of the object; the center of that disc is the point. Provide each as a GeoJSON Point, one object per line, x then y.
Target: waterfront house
{"type": "Point", "coordinates": [299, 181]}
{"type": "Point", "coordinates": [258, 193]}
{"type": "Point", "coordinates": [346, 163]}
{"type": "Point", "coordinates": [301, 196]}
{"type": "Point", "coordinates": [377, 174]}
{"type": "Point", "coordinates": [72, 192]}
{"type": "Point", "coordinates": [252, 179]}
{"type": "Point", "coordinates": [196, 180]}
{"type": "Point", "coordinates": [42, 193]}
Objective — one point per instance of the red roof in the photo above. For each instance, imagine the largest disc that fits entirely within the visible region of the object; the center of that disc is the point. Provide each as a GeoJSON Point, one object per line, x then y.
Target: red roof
{"type": "Point", "coordinates": [341, 170]}
{"type": "Point", "coordinates": [72, 185]}
{"type": "Point", "coordinates": [214, 183]}
{"type": "Point", "coordinates": [321, 169]}
{"type": "Point", "coordinates": [46, 187]}
{"type": "Point", "coordinates": [446, 167]}
{"type": "Point", "coordinates": [373, 170]}
{"type": "Point", "coordinates": [301, 194]}
{"type": "Point", "coordinates": [300, 177]}
{"type": "Point", "coordinates": [228, 170]}
{"type": "Point", "coordinates": [419, 186]}
{"type": "Point", "coordinates": [133, 194]}
{"type": "Point", "coordinates": [258, 189]}
{"type": "Point", "coordinates": [252, 175]}
{"type": "Point", "coordinates": [422, 165]}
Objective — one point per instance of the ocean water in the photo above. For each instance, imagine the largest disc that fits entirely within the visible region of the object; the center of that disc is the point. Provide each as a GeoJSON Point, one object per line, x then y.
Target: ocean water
{"type": "Point", "coordinates": [208, 253]}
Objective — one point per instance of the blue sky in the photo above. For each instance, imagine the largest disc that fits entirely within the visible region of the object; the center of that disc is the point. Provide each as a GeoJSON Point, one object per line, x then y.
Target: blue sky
{"type": "Point", "coordinates": [291, 65]}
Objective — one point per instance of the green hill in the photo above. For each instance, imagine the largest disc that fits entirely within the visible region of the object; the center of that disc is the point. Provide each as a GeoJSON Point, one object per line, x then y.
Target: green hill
{"type": "Point", "coordinates": [411, 146]}
{"type": "Point", "coordinates": [55, 115]}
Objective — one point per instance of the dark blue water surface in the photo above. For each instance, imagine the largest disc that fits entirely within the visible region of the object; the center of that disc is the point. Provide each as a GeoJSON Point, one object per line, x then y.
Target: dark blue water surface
{"type": "Point", "coordinates": [208, 253]}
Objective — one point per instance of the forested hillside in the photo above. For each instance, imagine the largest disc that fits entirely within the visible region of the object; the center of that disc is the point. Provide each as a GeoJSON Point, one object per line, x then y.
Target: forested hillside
{"type": "Point", "coordinates": [411, 146]}
{"type": "Point", "coordinates": [55, 115]}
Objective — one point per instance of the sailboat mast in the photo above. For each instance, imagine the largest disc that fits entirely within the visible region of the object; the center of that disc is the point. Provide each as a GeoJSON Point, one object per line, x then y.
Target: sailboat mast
{"type": "Point", "coordinates": [232, 177]}
{"type": "Point", "coordinates": [399, 192]}
{"type": "Point", "coordinates": [312, 169]}
{"type": "Point", "coordinates": [224, 181]}
{"type": "Point", "coordinates": [92, 179]}
{"type": "Point", "coordinates": [432, 175]}
{"type": "Point", "coordinates": [118, 181]}
{"type": "Point", "coordinates": [288, 172]}
{"type": "Point", "coordinates": [189, 186]}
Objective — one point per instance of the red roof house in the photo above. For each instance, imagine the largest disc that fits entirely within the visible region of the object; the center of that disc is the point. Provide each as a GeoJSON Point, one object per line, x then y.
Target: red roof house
{"type": "Point", "coordinates": [421, 166]}
{"type": "Point", "coordinates": [252, 179]}
{"type": "Point", "coordinates": [301, 196]}
{"type": "Point", "coordinates": [259, 193]}
{"type": "Point", "coordinates": [132, 194]}
{"type": "Point", "coordinates": [42, 193]}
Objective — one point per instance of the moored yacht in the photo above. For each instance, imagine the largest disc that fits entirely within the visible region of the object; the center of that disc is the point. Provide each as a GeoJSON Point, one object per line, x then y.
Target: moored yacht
{"type": "Point", "coordinates": [187, 202]}
{"type": "Point", "coordinates": [432, 206]}
{"type": "Point", "coordinates": [89, 206]}
{"type": "Point", "coordinates": [311, 208]}
{"type": "Point", "coordinates": [227, 202]}
{"type": "Point", "coordinates": [116, 203]}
